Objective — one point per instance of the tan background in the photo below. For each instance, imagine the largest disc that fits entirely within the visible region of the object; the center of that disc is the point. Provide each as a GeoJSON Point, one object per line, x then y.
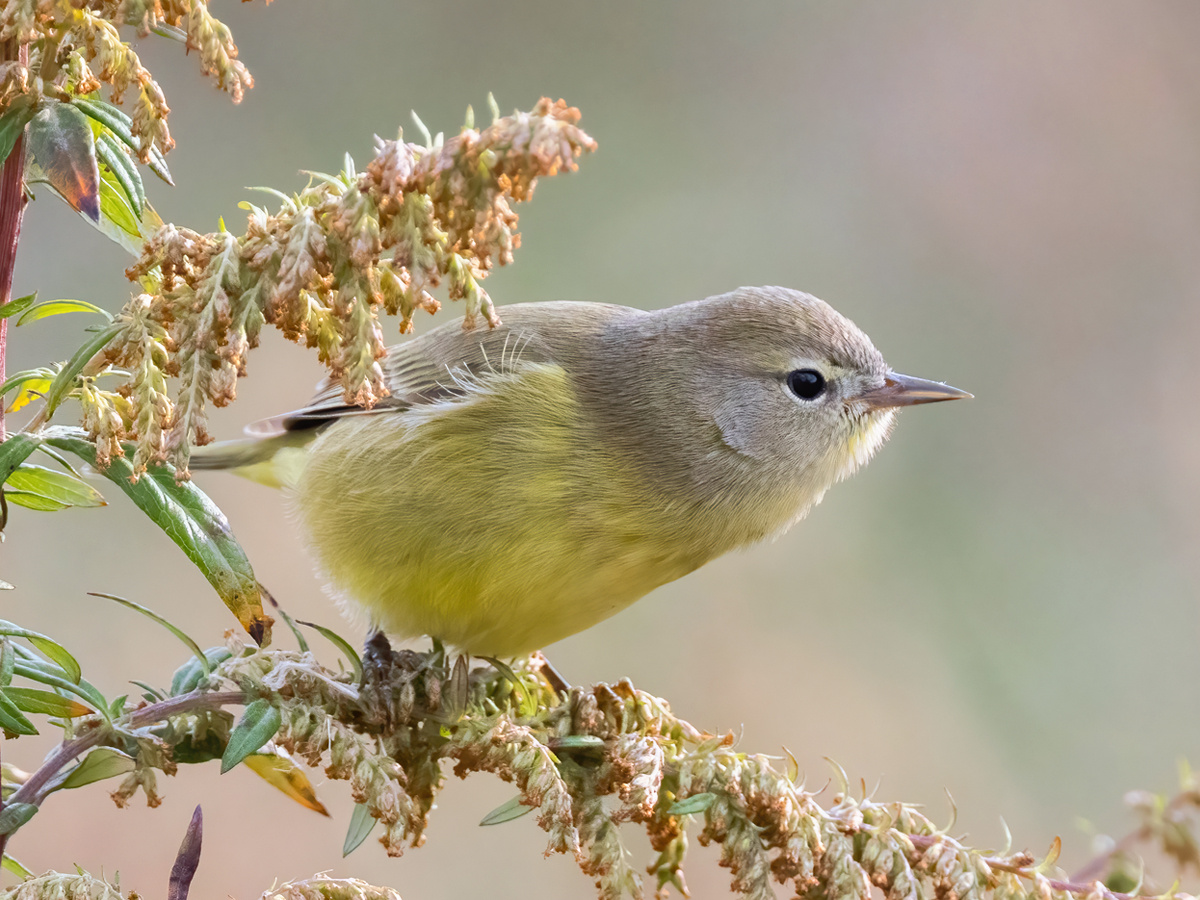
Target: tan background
{"type": "Point", "coordinates": [1005, 196]}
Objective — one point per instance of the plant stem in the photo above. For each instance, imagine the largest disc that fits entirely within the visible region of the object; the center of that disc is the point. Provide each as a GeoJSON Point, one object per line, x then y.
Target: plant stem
{"type": "Point", "coordinates": [33, 790]}
{"type": "Point", "coordinates": [12, 208]}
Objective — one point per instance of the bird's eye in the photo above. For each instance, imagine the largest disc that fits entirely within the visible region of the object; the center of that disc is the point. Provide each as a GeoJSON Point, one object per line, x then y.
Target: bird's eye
{"type": "Point", "coordinates": [807, 384]}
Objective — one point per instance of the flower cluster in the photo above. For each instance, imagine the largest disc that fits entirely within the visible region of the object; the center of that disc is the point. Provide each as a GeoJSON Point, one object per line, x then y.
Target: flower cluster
{"type": "Point", "coordinates": [322, 269]}
{"type": "Point", "coordinates": [589, 760]}
{"type": "Point", "coordinates": [78, 45]}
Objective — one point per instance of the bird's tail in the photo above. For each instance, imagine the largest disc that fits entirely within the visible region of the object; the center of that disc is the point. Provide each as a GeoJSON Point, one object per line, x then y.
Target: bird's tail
{"type": "Point", "coordinates": [275, 461]}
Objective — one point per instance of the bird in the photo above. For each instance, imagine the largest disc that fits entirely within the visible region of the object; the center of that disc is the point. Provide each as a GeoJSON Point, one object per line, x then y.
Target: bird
{"type": "Point", "coordinates": [521, 483]}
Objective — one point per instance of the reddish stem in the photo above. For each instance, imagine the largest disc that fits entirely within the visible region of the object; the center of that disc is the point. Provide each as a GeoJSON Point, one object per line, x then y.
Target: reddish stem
{"type": "Point", "coordinates": [12, 209]}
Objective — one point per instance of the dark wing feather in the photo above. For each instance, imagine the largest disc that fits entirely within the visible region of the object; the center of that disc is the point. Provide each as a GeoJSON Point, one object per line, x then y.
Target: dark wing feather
{"type": "Point", "coordinates": [439, 365]}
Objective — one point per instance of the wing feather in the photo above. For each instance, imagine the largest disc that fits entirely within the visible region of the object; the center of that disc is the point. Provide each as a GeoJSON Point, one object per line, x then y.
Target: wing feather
{"type": "Point", "coordinates": [446, 362]}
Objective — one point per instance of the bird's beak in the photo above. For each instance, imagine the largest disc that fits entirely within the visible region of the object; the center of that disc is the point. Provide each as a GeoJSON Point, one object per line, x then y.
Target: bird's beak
{"type": "Point", "coordinates": [904, 390]}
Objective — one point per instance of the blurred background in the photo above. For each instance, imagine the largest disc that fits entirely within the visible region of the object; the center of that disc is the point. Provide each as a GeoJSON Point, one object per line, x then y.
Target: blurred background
{"type": "Point", "coordinates": [1004, 196]}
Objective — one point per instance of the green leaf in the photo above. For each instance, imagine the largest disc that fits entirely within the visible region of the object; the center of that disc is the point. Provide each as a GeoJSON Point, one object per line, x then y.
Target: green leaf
{"type": "Point", "coordinates": [32, 700]}
{"type": "Point", "coordinates": [48, 647]}
{"type": "Point", "coordinates": [118, 122]}
{"type": "Point", "coordinates": [187, 677]}
{"type": "Point", "coordinates": [342, 644]}
{"type": "Point", "coordinates": [57, 308]}
{"type": "Point", "coordinates": [101, 763]}
{"type": "Point", "coordinates": [10, 865]}
{"type": "Point", "coordinates": [52, 676]}
{"type": "Point", "coordinates": [61, 143]}
{"type": "Point", "coordinates": [12, 719]}
{"type": "Point", "coordinates": [197, 527]}
{"type": "Point", "coordinates": [13, 123]}
{"type": "Point", "coordinates": [65, 380]}
{"type": "Point", "coordinates": [14, 451]}
{"type": "Point", "coordinates": [19, 305]}
{"type": "Point", "coordinates": [33, 501]}
{"type": "Point", "coordinates": [361, 823]}
{"type": "Point", "coordinates": [506, 812]}
{"type": "Point", "coordinates": [115, 208]}
{"type": "Point", "coordinates": [187, 641]}
{"type": "Point", "coordinates": [577, 742]}
{"type": "Point", "coordinates": [258, 724]}
{"type": "Point", "coordinates": [291, 624]}
{"type": "Point", "coordinates": [14, 815]}
{"type": "Point", "coordinates": [114, 158]}
{"type": "Point", "coordinates": [8, 658]}
{"type": "Point", "coordinates": [54, 485]}
{"type": "Point", "coordinates": [697, 803]}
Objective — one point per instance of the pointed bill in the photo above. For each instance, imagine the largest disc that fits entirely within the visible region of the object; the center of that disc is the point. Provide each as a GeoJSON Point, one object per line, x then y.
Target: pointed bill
{"type": "Point", "coordinates": [905, 390]}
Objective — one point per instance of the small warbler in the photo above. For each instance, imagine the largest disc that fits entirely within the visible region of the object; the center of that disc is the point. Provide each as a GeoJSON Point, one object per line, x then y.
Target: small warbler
{"type": "Point", "coordinates": [523, 482]}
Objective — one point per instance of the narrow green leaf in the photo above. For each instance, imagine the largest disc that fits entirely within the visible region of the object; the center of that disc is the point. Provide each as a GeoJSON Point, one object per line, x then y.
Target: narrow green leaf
{"type": "Point", "coordinates": [101, 763]}
{"type": "Point", "coordinates": [54, 485]}
{"type": "Point", "coordinates": [52, 676]}
{"type": "Point", "coordinates": [361, 823]}
{"type": "Point", "coordinates": [195, 524]}
{"type": "Point", "coordinates": [342, 644]}
{"type": "Point", "coordinates": [58, 654]}
{"type": "Point", "coordinates": [12, 719]}
{"type": "Point", "coordinates": [13, 122]}
{"type": "Point", "coordinates": [65, 379]}
{"type": "Point", "coordinates": [115, 205]}
{"type": "Point", "coordinates": [577, 742]}
{"type": "Point", "coordinates": [8, 658]}
{"type": "Point", "coordinates": [61, 143]}
{"type": "Point", "coordinates": [119, 123]}
{"type": "Point", "coordinates": [33, 501]}
{"type": "Point", "coordinates": [152, 693]}
{"type": "Point", "coordinates": [113, 157]}
{"type": "Point", "coordinates": [10, 865]}
{"type": "Point", "coordinates": [187, 641]}
{"type": "Point", "coordinates": [58, 307]}
{"type": "Point", "coordinates": [506, 812]}
{"type": "Point", "coordinates": [13, 452]}
{"type": "Point", "coordinates": [187, 677]}
{"type": "Point", "coordinates": [47, 646]}
{"type": "Point", "coordinates": [14, 815]}
{"type": "Point", "coordinates": [32, 700]}
{"type": "Point", "coordinates": [697, 803]}
{"type": "Point", "coordinates": [19, 305]}
{"type": "Point", "coordinates": [258, 724]}
{"type": "Point", "coordinates": [291, 624]}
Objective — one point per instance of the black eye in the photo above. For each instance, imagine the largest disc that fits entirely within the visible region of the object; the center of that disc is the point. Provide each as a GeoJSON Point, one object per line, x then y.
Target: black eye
{"type": "Point", "coordinates": [807, 384]}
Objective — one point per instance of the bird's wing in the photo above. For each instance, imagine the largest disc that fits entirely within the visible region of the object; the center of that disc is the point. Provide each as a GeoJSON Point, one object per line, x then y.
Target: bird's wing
{"type": "Point", "coordinates": [448, 361]}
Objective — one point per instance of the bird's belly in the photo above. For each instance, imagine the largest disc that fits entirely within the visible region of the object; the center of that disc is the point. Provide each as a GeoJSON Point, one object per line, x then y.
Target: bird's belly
{"type": "Point", "coordinates": [497, 536]}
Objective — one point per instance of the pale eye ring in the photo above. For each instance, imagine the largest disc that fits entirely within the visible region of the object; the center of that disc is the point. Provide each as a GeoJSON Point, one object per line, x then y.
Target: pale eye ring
{"type": "Point", "coordinates": [807, 384]}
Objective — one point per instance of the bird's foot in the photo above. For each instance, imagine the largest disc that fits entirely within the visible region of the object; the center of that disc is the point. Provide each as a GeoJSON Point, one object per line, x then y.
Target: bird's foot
{"type": "Point", "coordinates": [549, 674]}
{"type": "Point", "coordinates": [400, 685]}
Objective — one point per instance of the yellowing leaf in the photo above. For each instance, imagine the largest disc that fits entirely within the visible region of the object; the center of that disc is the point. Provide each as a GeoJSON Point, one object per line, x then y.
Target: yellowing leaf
{"type": "Point", "coordinates": [60, 142]}
{"type": "Point", "coordinates": [31, 389]}
{"type": "Point", "coordinates": [280, 771]}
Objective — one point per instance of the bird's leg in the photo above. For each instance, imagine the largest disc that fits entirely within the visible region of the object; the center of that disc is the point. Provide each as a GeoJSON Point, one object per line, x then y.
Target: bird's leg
{"type": "Point", "coordinates": [549, 674]}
